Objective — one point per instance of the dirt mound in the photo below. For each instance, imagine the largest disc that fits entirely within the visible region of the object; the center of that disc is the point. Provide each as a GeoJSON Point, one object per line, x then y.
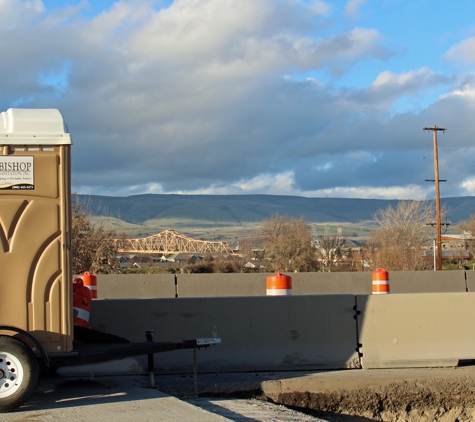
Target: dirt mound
{"type": "Point", "coordinates": [432, 400]}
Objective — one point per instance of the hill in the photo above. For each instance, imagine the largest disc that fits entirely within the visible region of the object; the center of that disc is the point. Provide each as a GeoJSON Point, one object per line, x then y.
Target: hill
{"type": "Point", "coordinates": [230, 216]}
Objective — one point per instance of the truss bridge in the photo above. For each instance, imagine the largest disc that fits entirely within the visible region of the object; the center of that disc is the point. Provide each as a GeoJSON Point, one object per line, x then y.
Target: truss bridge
{"type": "Point", "coordinates": [171, 242]}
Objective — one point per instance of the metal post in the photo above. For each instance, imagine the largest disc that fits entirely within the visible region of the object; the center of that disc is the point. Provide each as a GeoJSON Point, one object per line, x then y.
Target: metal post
{"type": "Point", "coordinates": [151, 363]}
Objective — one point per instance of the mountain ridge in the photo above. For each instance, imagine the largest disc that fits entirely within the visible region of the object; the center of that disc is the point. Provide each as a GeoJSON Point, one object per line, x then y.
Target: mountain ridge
{"type": "Point", "coordinates": [245, 209]}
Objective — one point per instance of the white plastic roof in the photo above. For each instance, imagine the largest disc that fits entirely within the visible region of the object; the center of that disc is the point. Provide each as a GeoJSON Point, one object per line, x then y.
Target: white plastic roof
{"type": "Point", "coordinates": [28, 126]}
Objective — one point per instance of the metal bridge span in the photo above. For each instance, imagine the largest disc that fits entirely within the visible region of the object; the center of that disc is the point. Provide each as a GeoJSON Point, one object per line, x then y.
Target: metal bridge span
{"type": "Point", "coordinates": [171, 242]}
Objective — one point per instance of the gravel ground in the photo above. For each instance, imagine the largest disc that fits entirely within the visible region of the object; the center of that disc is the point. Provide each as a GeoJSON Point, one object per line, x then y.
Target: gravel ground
{"type": "Point", "coordinates": [392, 395]}
{"type": "Point", "coordinates": [398, 395]}
{"type": "Point", "coordinates": [244, 410]}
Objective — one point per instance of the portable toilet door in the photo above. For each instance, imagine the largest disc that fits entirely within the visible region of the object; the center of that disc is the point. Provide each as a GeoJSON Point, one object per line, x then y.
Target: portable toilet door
{"type": "Point", "coordinates": [35, 226]}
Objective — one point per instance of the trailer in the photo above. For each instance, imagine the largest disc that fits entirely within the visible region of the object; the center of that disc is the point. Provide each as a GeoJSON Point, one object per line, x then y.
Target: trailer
{"type": "Point", "coordinates": [36, 294]}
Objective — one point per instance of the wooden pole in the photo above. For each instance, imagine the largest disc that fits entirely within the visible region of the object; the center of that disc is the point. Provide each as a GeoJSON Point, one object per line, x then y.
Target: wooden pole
{"type": "Point", "coordinates": [437, 195]}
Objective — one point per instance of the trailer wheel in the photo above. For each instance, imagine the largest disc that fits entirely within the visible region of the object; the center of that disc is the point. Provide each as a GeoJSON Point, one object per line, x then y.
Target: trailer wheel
{"type": "Point", "coordinates": [19, 373]}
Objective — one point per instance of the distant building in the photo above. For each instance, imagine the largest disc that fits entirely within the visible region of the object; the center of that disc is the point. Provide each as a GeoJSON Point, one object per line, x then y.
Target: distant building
{"type": "Point", "coordinates": [180, 259]}
{"type": "Point", "coordinates": [148, 261]}
{"type": "Point", "coordinates": [454, 241]}
{"type": "Point", "coordinates": [454, 247]}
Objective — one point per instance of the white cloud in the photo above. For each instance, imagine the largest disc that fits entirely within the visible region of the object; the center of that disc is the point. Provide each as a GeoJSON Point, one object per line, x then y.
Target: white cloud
{"type": "Point", "coordinates": [464, 91]}
{"type": "Point", "coordinates": [283, 184]}
{"type": "Point", "coordinates": [279, 184]}
{"type": "Point", "coordinates": [388, 88]}
{"type": "Point", "coordinates": [229, 38]}
{"type": "Point", "coordinates": [14, 14]}
{"type": "Point", "coordinates": [367, 192]}
{"type": "Point", "coordinates": [469, 186]}
{"type": "Point", "coordinates": [349, 47]}
{"type": "Point", "coordinates": [463, 51]}
{"type": "Point", "coordinates": [189, 30]}
{"type": "Point", "coordinates": [352, 8]}
{"type": "Point", "coordinates": [319, 8]}
{"type": "Point", "coordinates": [398, 84]}
{"type": "Point", "coordinates": [102, 28]}
{"type": "Point", "coordinates": [388, 78]}
{"type": "Point", "coordinates": [199, 97]}
{"type": "Point", "coordinates": [272, 184]}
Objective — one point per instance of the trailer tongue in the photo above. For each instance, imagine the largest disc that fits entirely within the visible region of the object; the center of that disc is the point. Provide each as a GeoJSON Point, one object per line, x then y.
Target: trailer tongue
{"type": "Point", "coordinates": [113, 347]}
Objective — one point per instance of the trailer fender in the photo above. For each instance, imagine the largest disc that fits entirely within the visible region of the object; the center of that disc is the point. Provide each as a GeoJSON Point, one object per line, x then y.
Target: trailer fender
{"type": "Point", "coordinates": [39, 346]}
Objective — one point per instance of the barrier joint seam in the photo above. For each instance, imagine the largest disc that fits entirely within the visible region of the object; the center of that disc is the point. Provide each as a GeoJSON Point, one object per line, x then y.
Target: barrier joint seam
{"type": "Point", "coordinates": [358, 344]}
{"type": "Point", "coordinates": [358, 350]}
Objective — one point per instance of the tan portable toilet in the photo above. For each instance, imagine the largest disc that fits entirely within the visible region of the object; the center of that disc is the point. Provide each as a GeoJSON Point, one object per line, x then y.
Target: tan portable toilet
{"type": "Point", "coordinates": [35, 226]}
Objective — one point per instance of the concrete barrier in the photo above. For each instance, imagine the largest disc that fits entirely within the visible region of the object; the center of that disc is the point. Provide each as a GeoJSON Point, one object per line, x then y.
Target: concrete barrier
{"type": "Point", "coordinates": [416, 330]}
{"type": "Point", "coordinates": [226, 285]}
{"type": "Point", "coordinates": [254, 284]}
{"type": "Point", "coordinates": [331, 283]}
{"type": "Point", "coordinates": [361, 282]}
{"type": "Point", "coordinates": [294, 332]}
{"type": "Point", "coordinates": [258, 333]}
{"type": "Point", "coordinates": [221, 285]}
{"type": "Point", "coordinates": [427, 281]}
{"type": "Point", "coordinates": [136, 286]}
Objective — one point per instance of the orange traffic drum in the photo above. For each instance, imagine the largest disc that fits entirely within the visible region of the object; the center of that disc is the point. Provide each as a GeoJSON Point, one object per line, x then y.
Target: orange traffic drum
{"type": "Point", "coordinates": [81, 302]}
{"type": "Point", "coordinates": [279, 285]}
{"type": "Point", "coordinates": [380, 282]}
{"type": "Point", "coordinates": [90, 280]}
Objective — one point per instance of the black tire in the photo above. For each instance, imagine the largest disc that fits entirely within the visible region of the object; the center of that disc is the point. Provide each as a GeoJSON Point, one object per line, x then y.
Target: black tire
{"type": "Point", "coordinates": [19, 373]}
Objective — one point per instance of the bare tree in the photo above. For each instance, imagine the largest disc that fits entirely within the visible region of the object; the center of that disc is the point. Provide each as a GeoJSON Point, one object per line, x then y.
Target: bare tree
{"type": "Point", "coordinates": [329, 249]}
{"type": "Point", "coordinates": [245, 255]}
{"type": "Point", "coordinates": [224, 265]}
{"type": "Point", "coordinates": [93, 248]}
{"type": "Point", "coordinates": [403, 234]}
{"type": "Point", "coordinates": [288, 244]}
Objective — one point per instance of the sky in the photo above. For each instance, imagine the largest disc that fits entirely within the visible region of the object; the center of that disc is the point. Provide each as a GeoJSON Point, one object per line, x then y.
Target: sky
{"type": "Point", "coordinates": [311, 98]}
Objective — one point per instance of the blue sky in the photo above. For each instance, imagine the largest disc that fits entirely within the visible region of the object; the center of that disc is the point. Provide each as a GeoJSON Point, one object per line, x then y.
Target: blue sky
{"type": "Point", "coordinates": [312, 98]}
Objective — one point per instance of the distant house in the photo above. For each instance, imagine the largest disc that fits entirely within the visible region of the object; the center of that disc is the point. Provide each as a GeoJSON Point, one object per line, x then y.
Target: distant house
{"type": "Point", "coordinates": [454, 247]}
{"type": "Point", "coordinates": [180, 259]}
{"type": "Point", "coordinates": [138, 261]}
{"type": "Point", "coordinates": [460, 256]}
{"type": "Point", "coordinates": [454, 241]}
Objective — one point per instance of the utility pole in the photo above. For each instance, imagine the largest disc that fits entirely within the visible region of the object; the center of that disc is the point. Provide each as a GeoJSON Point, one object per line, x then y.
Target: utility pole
{"type": "Point", "coordinates": [437, 194]}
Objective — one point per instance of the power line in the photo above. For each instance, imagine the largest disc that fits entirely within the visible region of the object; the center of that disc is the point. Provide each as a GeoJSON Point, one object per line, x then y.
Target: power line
{"type": "Point", "coordinates": [463, 128]}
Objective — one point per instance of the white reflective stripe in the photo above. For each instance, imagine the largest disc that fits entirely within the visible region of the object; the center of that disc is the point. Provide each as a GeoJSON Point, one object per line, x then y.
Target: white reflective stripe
{"type": "Point", "coordinates": [91, 287]}
{"type": "Point", "coordinates": [82, 313]}
{"type": "Point", "coordinates": [381, 282]}
{"type": "Point", "coordinates": [380, 293]}
{"type": "Point", "coordinates": [279, 292]}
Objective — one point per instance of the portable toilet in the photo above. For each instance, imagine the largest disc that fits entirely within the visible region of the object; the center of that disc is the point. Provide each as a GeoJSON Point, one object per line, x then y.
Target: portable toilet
{"type": "Point", "coordinates": [35, 226]}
